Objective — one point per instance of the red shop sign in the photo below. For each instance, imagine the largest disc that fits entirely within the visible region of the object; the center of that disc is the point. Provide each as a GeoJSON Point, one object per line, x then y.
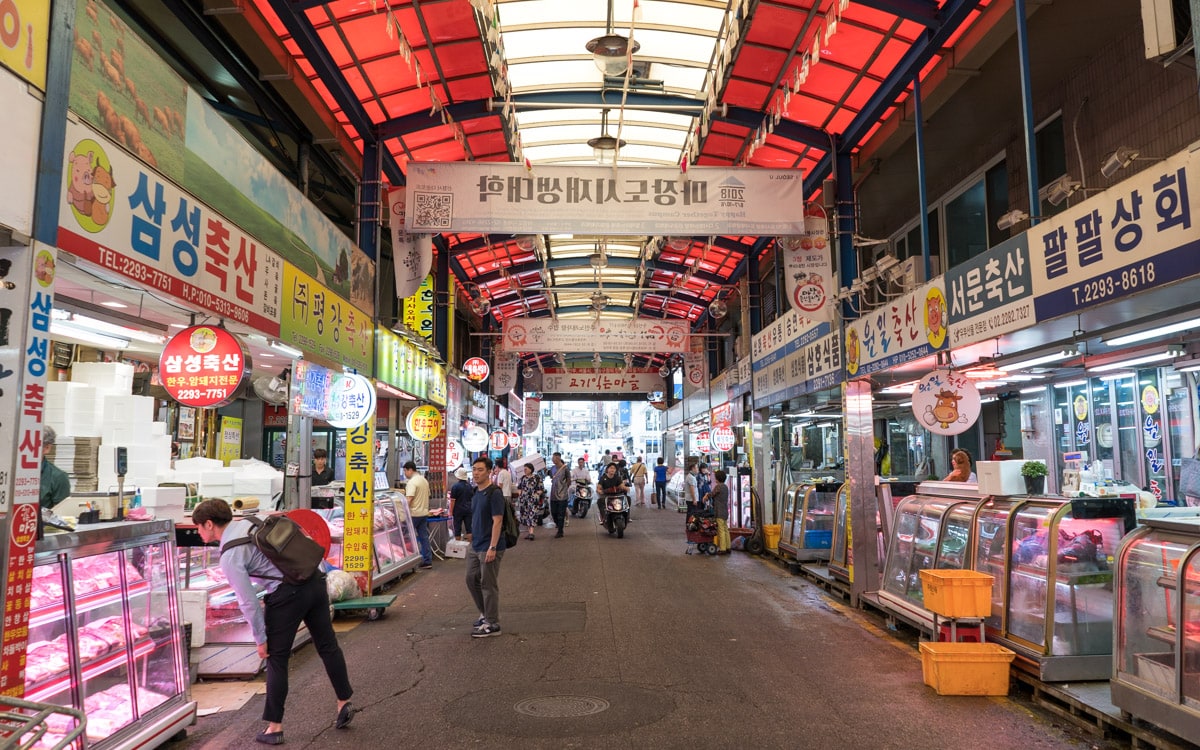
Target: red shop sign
{"type": "Point", "coordinates": [477, 369]}
{"type": "Point", "coordinates": [203, 366]}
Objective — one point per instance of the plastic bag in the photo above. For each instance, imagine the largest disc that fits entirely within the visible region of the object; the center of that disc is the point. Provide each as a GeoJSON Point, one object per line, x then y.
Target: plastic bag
{"type": "Point", "coordinates": [341, 586]}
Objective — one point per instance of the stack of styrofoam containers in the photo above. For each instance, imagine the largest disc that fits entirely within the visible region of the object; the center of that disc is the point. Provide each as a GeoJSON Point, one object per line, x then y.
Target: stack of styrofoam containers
{"type": "Point", "coordinates": [256, 479]}
{"type": "Point", "coordinates": [73, 409]}
{"type": "Point", "coordinates": [214, 479]}
{"type": "Point", "coordinates": [129, 423]}
{"type": "Point", "coordinates": [165, 502]}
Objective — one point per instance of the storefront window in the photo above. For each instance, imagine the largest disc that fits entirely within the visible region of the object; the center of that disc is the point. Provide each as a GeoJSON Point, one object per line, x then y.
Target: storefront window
{"type": "Point", "coordinates": [1102, 425]}
{"type": "Point", "coordinates": [1150, 409]}
{"type": "Point", "coordinates": [1179, 428]}
{"type": "Point", "coordinates": [1127, 431]}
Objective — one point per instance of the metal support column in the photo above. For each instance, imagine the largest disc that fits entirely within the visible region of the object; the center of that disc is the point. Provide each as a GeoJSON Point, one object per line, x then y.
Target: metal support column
{"type": "Point", "coordinates": [843, 175]}
{"type": "Point", "coordinates": [860, 473]}
{"type": "Point", "coordinates": [1027, 111]}
{"type": "Point", "coordinates": [297, 472]}
{"type": "Point", "coordinates": [60, 53]}
{"type": "Point", "coordinates": [370, 193]}
{"type": "Point", "coordinates": [1195, 6]}
{"type": "Point", "coordinates": [922, 195]}
{"type": "Point", "coordinates": [443, 298]}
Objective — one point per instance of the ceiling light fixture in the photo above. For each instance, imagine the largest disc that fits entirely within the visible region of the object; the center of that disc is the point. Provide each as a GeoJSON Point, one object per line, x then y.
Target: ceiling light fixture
{"type": "Point", "coordinates": [1044, 359]}
{"type": "Point", "coordinates": [605, 149]}
{"type": "Point", "coordinates": [611, 53]}
{"type": "Point", "coordinates": [283, 348]}
{"type": "Point", "coordinates": [1136, 361]}
{"type": "Point", "coordinates": [1153, 333]}
{"type": "Point", "coordinates": [114, 304]}
{"type": "Point", "coordinates": [1059, 190]}
{"type": "Point", "coordinates": [1011, 219]}
{"type": "Point", "coordinates": [66, 329]}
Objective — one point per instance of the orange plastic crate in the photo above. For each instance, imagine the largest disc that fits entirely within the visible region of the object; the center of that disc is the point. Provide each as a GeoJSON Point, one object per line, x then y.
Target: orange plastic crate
{"type": "Point", "coordinates": [966, 668]}
{"type": "Point", "coordinates": [957, 593]}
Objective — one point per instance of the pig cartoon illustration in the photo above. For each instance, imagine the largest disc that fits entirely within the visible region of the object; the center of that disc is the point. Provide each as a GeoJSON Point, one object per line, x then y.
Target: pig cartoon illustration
{"type": "Point", "coordinates": [79, 189]}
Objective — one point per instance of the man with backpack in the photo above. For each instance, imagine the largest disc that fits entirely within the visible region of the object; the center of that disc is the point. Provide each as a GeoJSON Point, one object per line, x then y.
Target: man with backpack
{"type": "Point", "coordinates": [274, 623]}
{"type": "Point", "coordinates": [487, 548]}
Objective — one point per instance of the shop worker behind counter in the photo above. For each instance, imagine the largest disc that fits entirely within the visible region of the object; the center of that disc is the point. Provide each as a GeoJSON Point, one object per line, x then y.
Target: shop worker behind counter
{"type": "Point", "coordinates": [322, 473]}
{"type": "Point", "coordinates": [275, 622]}
{"type": "Point", "coordinates": [55, 486]}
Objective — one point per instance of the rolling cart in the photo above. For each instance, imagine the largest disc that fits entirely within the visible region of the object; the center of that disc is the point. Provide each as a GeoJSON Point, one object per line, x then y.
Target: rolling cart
{"type": "Point", "coordinates": [701, 532]}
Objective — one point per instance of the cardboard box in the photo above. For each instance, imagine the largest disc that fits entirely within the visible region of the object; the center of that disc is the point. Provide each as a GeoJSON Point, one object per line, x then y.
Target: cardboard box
{"type": "Point", "coordinates": [457, 548]}
{"type": "Point", "coordinates": [1000, 477]}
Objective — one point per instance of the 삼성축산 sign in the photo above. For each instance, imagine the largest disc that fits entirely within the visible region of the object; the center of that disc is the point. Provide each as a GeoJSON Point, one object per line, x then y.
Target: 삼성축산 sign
{"type": "Point", "coordinates": [508, 198]}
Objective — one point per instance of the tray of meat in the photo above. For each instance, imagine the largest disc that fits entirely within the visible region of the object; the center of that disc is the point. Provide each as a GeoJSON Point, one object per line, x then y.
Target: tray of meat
{"type": "Point", "coordinates": [92, 646]}
{"type": "Point", "coordinates": [46, 589]}
{"type": "Point", "coordinates": [44, 660]}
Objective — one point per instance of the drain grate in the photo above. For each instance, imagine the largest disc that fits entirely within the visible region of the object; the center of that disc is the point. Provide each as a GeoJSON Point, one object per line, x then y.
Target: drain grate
{"type": "Point", "coordinates": [562, 706]}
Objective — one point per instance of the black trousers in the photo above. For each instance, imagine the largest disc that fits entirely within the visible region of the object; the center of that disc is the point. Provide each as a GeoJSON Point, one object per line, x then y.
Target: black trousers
{"type": "Point", "coordinates": [286, 607]}
{"type": "Point", "coordinates": [558, 511]}
{"type": "Point", "coordinates": [660, 492]}
{"type": "Point", "coordinates": [462, 522]}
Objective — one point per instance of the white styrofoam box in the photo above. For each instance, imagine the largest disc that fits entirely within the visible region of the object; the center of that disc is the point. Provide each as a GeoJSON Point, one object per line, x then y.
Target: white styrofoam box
{"type": "Point", "coordinates": [218, 476]}
{"type": "Point", "coordinates": [111, 377]}
{"type": "Point", "coordinates": [194, 603]}
{"type": "Point", "coordinates": [457, 548]}
{"type": "Point", "coordinates": [252, 485]}
{"type": "Point", "coordinates": [158, 428]}
{"type": "Point", "coordinates": [1000, 477]}
{"type": "Point", "coordinates": [197, 465]}
{"type": "Point", "coordinates": [153, 497]}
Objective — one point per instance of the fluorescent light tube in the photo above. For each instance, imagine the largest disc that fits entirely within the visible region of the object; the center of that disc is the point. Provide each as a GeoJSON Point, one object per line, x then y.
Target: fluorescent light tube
{"type": "Point", "coordinates": [110, 329]}
{"type": "Point", "coordinates": [1035, 361]}
{"type": "Point", "coordinates": [1039, 389]}
{"type": "Point", "coordinates": [1153, 333]}
{"type": "Point", "coordinates": [1190, 367]}
{"type": "Point", "coordinates": [1070, 384]}
{"type": "Point", "coordinates": [1159, 357]}
{"type": "Point", "coordinates": [66, 329]}
{"type": "Point", "coordinates": [283, 348]}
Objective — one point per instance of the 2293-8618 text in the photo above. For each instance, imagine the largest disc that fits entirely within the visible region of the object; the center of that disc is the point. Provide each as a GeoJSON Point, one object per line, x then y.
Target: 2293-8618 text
{"type": "Point", "coordinates": [1115, 283]}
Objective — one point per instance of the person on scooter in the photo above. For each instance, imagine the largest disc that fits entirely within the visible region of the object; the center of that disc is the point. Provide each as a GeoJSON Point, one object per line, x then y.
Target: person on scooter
{"type": "Point", "coordinates": [580, 474]}
{"type": "Point", "coordinates": [612, 483]}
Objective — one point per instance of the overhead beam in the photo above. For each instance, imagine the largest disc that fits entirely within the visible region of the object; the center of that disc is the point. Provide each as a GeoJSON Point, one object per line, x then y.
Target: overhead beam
{"type": "Point", "coordinates": [924, 12]}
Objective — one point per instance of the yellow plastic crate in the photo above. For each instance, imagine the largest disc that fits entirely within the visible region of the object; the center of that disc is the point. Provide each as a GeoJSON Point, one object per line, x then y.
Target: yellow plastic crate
{"type": "Point", "coordinates": [966, 668]}
{"type": "Point", "coordinates": [957, 593]}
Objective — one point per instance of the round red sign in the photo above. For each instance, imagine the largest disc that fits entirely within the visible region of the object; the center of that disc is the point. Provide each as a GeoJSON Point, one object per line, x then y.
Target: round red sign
{"type": "Point", "coordinates": [499, 440]}
{"type": "Point", "coordinates": [702, 443]}
{"type": "Point", "coordinates": [477, 369]}
{"type": "Point", "coordinates": [24, 525]}
{"type": "Point", "coordinates": [722, 439]}
{"type": "Point", "coordinates": [203, 366]}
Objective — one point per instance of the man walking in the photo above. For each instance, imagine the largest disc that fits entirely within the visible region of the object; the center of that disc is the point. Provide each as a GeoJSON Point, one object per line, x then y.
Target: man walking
{"type": "Point", "coordinates": [560, 490]}
{"type": "Point", "coordinates": [416, 489]}
{"type": "Point", "coordinates": [487, 548]}
{"type": "Point", "coordinates": [274, 621]}
{"type": "Point", "coordinates": [660, 483]}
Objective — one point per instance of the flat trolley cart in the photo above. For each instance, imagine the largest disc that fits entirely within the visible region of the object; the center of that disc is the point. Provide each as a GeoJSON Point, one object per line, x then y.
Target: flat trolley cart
{"type": "Point", "coordinates": [701, 531]}
{"type": "Point", "coordinates": [374, 605]}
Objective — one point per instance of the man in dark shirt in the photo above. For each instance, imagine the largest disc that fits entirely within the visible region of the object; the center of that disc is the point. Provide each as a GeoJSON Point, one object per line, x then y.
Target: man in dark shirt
{"type": "Point", "coordinates": [322, 473]}
{"type": "Point", "coordinates": [460, 503]}
{"type": "Point", "coordinates": [718, 500]}
{"type": "Point", "coordinates": [487, 548]}
{"type": "Point", "coordinates": [660, 483]}
{"type": "Point", "coordinates": [55, 486]}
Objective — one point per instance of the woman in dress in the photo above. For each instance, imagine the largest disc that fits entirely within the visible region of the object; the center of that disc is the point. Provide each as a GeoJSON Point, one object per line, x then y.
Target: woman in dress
{"type": "Point", "coordinates": [529, 500]}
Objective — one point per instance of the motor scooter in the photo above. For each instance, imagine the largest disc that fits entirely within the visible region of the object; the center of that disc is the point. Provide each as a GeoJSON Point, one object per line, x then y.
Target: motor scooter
{"type": "Point", "coordinates": [614, 511]}
{"type": "Point", "coordinates": [581, 498]}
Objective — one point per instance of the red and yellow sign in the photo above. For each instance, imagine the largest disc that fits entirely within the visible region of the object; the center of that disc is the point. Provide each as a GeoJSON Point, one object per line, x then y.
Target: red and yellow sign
{"type": "Point", "coordinates": [360, 499]}
{"type": "Point", "coordinates": [477, 369]}
{"type": "Point", "coordinates": [203, 366]}
{"type": "Point", "coordinates": [424, 423]}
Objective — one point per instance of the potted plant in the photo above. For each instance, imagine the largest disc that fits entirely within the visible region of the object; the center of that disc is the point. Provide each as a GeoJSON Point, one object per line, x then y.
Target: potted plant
{"type": "Point", "coordinates": [1035, 477]}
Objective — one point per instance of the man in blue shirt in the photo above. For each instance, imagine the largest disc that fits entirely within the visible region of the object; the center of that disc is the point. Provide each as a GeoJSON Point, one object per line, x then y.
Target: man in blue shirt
{"type": "Point", "coordinates": [660, 483]}
{"type": "Point", "coordinates": [274, 625]}
{"type": "Point", "coordinates": [487, 548]}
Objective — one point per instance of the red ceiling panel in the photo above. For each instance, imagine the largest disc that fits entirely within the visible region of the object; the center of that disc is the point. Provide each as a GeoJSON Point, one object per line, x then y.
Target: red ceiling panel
{"type": "Point", "coordinates": [448, 19]}
{"type": "Point", "coordinates": [406, 102]}
{"type": "Point", "coordinates": [776, 26]}
{"type": "Point", "coordinates": [719, 144]}
{"type": "Point", "coordinates": [471, 89]}
{"type": "Point", "coordinates": [742, 93]}
{"type": "Point", "coordinates": [759, 63]}
{"type": "Point", "coordinates": [460, 58]}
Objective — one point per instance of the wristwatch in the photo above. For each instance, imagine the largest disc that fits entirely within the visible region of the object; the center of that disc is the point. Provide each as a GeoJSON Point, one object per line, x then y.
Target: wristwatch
{"type": "Point", "coordinates": [492, 548]}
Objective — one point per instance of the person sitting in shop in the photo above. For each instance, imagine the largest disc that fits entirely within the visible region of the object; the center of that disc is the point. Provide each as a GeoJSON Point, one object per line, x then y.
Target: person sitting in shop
{"type": "Point", "coordinates": [55, 485]}
{"type": "Point", "coordinates": [962, 467]}
{"type": "Point", "coordinates": [322, 473]}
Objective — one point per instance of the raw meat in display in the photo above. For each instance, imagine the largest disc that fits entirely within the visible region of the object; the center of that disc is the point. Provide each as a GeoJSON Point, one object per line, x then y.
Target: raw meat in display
{"type": "Point", "coordinates": [46, 588]}
{"type": "Point", "coordinates": [45, 660]}
{"type": "Point", "coordinates": [92, 646]}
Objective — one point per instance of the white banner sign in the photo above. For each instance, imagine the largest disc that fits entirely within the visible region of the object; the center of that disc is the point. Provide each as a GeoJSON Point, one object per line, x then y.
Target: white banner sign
{"type": "Point", "coordinates": [533, 413]}
{"type": "Point", "coordinates": [122, 215]}
{"type": "Point", "coordinates": [808, 267]}
{"type": "Point", "coordinates": [560, 336]}
{"type": "Point", "coordinates": [602, 381]}
{"type": "Point", "coordinates": [694, 372]}
{"type": "Point", "coordinates": [508, 198]}
{"type": "Point", "coordinates": [412, 253]}
{"type": "Point", "coordinates": [504, 375]}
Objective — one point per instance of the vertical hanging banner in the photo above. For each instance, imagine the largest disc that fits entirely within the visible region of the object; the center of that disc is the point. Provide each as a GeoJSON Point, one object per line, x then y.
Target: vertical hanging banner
{"type": "Point", "coordinates": [533, 414]}
{"type": "Point", "coordinates": [412, 253]}
{"type": "Point", "coordinates": [693, 372]}
{"type": "Point", "coordinates": [24, 32]}
{"type": "Point", "coordinates": [505, 376]}
{"type": "Point", "coordinates": [25, 303]}
{"type": "Point", "coordinates": [418, 309]}
{"type": "Point", "coordinates": [808, 266]}
{"type": "Point", "coordinates": [360, 498]}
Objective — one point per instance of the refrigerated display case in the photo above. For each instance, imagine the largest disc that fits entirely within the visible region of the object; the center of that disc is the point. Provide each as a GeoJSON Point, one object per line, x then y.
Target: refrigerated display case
{"type": "Point", "coordinates": [1156, 671]}
{"type": "Point", "coordinates": [930, 530]}
{"type": "Point", "coordinates": [106, 635]}
{"type": "Point", "coordinates": [841, 559]}
{"type": "Point", "coordinates": [807, 522]}
{"type": "Point", "coordinates": [395, 543]}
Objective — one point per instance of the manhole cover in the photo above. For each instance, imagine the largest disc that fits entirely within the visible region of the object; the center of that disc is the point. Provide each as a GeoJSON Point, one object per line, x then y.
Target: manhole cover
{"type": "Point", "coordinates": [561, 706]}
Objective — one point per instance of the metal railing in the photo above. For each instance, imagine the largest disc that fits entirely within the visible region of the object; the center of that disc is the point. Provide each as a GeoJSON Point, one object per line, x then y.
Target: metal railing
{"type": "Point", "coordinates": [25, 724]}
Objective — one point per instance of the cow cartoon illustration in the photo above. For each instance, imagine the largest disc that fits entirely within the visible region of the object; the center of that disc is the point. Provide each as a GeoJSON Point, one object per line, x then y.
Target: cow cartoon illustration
{"type": "Point", "coordinates": [945, 412]}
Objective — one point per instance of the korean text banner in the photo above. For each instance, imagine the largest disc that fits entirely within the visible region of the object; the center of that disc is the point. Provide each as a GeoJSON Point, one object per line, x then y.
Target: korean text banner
{"type": "Point", "coordinates": [609, 380]}
{"type": "Point", "coordinates": [504, 373]}
{"type": "Point", "coordinates": [318, 321]}
{"type": "Point", "coordinates": [413, 253]}
{"type": "Point", "coordinates": [1137, 235]}
{"type": "Point", "coordinates": [360, 499]}
{"type": "Point", "coordinates": [400, 364]}
{"type": "Point", "coordinates": [794, 356]}
{"type": "Point", "coordinates": [990, 294]}
{"type": "Point", "coordinates": [906, 329]}
{"type": "Point", "coordinates": [418, 308]}
{"type": "Point", "coordinates": [24, 32]}
{"type": "Point", "coordinates": [507, 198]}
{"type": "Point", "coordinates": [121, 215]}
{"type": "Point", "coordinates": [549, 335]}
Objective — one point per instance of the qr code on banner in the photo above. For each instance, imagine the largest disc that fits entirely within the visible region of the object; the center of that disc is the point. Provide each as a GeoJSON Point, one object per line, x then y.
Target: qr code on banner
{"type": "Point", "coordinates": [433, 210]}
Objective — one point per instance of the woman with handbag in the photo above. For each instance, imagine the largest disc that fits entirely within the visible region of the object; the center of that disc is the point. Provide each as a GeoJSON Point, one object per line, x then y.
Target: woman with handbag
{"type": "Point", "coordinates": [638, 474]}
{"type": "Point", "coordinates": [530, 499]}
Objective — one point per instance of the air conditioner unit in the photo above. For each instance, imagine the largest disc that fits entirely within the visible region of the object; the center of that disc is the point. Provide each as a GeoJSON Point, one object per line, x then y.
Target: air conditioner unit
{"type": "Point", "coordinates": [1166, 25]}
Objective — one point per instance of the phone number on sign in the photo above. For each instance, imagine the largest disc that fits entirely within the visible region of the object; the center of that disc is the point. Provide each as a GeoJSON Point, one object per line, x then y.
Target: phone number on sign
{"type": "Point", "coordinates": [202, 394]}
{"type": "Point", "coordinates": [135, 270]}
{"type": "Point", "coordinates": [1114, 283]}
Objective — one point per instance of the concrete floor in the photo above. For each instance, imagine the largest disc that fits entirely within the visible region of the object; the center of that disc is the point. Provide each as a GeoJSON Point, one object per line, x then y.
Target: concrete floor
{"type": "Point", "coordinates": [632, 644]}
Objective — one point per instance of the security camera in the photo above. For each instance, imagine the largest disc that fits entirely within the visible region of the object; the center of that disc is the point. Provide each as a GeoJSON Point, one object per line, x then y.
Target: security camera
{"type": "Point", "coordinates": [1011, 219]}
{"type": "Point", "coordinates": [1118, 160]}
{"type": "Point", "coordinates": [1059, 190]}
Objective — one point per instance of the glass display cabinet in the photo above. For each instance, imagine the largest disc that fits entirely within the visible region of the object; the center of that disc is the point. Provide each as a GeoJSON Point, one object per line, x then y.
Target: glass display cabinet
{"type": "Point", "coordinates": [1156, 674]}
{"type": "Point", "coordinates": [930, 530]}
{"type": "Point", "coordinates": [394, 550]}
{"type": "Point", "coordinates": [807, 522]}
{"type": "Point", "coordinates": [106, 635]}
{"type": "Point", "coordinates": [841, 557]}
{"type": "Point", "coordinates": [1052, 566]}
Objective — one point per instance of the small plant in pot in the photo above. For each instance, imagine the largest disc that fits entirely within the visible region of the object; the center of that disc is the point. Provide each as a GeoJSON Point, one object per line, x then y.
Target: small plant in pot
{"type": "Point", "coordinates": [1035, 477]}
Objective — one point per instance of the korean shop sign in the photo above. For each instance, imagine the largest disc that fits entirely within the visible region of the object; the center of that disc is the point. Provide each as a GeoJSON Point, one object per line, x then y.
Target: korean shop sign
{"type": "Point", "coordinates": [360, 498]}
{"type": "Point", "coordinates": [990, 294]}
{"type": "Point", "coordinates": [353, 402]}
{"type": "Point", "coordinates": [123, 216]}
{"type": "Point", "coordinates": [343, 399]}
{"type": "Point", "coordinates": [605, 380]}
{"type": "Point", "coordinates": [946, 403]}
{"type": "Point", "coordinates": [203, 366]}
{"type": "Point", "coordinates": [24, 33]}
{"type": "Point", "coordinates": [793, 356]}
{"type": "Point", "coordinates": [602, 335]}
{"type": "Point", "coordinates": [424, 423]}
{"type": "Point", "coordinates": [477, 369]}
{"type": "Point", "coordinates": [418, 308]}
{"type": "Point", "coordinates": [399, 363]}
{"type": "Point", "coordinates": [318, 321]}
{"type": "Point", "coordinates": [1137, 235]}
{"type": "Point", "coordinates": [507, 198]}
{"type": "Point", "coordinates": [906, 329]}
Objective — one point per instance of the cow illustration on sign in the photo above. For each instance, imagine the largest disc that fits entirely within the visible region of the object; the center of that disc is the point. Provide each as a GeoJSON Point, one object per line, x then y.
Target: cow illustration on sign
{"type": "Point", "coordinates": [946, 402]}
{"type": "Point", "coordinates": [945, 411]}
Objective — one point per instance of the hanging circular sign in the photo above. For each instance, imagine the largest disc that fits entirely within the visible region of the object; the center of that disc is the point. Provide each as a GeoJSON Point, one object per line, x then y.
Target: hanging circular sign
{"type": "Point", "coordinates": [475, 439]}
{"type": "Point", "coordinates": [722, 439]}
{"type": "Point", "coordinates": [946, 402]}
{"type": "Point", "coordinates": [477, 369]}
{"type": "Point", "coordinates": [424, 423]}
{"type": "Point", "coordinates": [702, 442]}
{"type": "Point", "coordinates": [514, 439]}
{"type": "Point", "coordinates": [498, 441]}
{"type": "Point", "coordinates": [454, 455]}
{"type": "Point", "coordinates": [203, 366]}
{"type": "Point", "coordinates": [352, 402]}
